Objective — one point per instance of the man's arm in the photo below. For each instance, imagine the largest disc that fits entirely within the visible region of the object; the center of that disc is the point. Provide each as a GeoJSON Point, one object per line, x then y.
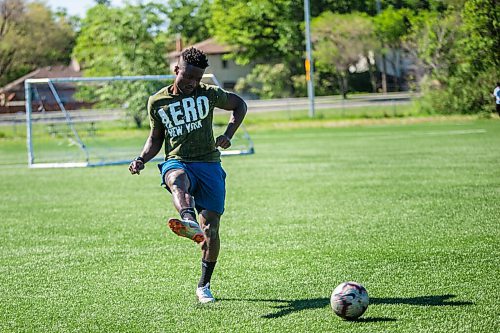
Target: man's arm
{"type": "Point", "coordinates": [151, 148]}
{"type": "Point", "coordinates": [239, 110]}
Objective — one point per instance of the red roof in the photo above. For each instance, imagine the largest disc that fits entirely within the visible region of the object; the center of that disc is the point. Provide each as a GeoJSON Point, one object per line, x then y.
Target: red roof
{"type": "Point", "coordinates": [208, 46]}
{"type": "Point", "coordinates": [73, 70]}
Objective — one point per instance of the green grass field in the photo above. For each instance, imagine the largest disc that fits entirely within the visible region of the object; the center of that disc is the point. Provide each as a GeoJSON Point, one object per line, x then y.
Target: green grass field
{"type": "Point", "coordinates": [411, 211]}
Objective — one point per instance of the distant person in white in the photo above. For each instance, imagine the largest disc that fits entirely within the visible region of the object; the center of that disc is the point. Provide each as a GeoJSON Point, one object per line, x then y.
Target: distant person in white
{"type": "Point", "coordinates": [496, 94]}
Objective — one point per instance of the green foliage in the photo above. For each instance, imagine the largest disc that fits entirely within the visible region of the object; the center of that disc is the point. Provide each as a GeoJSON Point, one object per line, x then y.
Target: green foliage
{"type": "Point", "coordinates": [478, 58]}
{"type": "Point", "coordinates": [433, 40]}
{"type": "Point", "coordinates": [464, 70]}
{"type": "Point", "coordinates": [123, 41]}
{"type": "Point", "coordinates": [31, 35]}
{"type": "Point", "coordinates": [275, 29]}
{"type": "Point", "coordinates": [257, 28]}
{"type": "Point", "coordinates": [481, 25]}
{"type": "Point", "coordinates": [432, 43]}
{"type": "Point", "coordinates": [342, 6]}
{"type": "Point", "coordinates": [325, 83]}
{"type": "Point", "coordinates": [267, 81]}
{"type": "Point", "coordinates": [103, 2]}
{"type": "Point", "coordinates": [190, 19]}
{"type": "Point", "coordinates": [418, 5]}
{"type": "Point", "coordinates": [392, 25]}
{"type": "Point", "coordinates": [341, 40]}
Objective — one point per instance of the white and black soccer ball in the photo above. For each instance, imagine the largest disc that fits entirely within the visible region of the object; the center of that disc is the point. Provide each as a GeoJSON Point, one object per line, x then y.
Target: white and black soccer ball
{"type": "Point", "coordinates": [349, 300]}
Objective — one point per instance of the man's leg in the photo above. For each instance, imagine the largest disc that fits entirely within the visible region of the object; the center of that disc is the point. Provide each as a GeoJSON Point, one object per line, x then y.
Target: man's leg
{"type": "Point", "coordinates": [178, 182]}
{"type": "Point", "coordinates": [210, 225]}
{"type": "Point", "coordinates": [210, 252]}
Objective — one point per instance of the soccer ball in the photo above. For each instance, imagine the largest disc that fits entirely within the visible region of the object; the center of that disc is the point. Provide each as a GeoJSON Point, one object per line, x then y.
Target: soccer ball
{"type": "Point", "coordinates": [349, 300]}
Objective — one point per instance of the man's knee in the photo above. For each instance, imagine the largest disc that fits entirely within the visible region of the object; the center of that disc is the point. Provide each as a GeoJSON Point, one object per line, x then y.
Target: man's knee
{"type": "Point", "coordinates": [177, 179]}
{"type": "Point", "coordinates": [211, 223]}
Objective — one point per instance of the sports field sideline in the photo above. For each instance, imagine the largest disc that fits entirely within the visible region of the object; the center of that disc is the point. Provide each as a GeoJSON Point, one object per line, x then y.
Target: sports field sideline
{"type": "Point", "coordinates": [411, 211]}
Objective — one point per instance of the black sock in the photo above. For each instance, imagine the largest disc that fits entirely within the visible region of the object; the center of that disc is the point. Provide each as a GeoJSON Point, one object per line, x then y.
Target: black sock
{"type": "Point", "coordinates": [190, 212]}
{"type": "Point", "coordinates": [207, 268]}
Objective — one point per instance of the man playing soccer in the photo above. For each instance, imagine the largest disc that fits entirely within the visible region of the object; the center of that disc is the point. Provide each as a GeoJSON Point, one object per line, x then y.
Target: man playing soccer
{"type": "Point", "coordinates": [181, 115]}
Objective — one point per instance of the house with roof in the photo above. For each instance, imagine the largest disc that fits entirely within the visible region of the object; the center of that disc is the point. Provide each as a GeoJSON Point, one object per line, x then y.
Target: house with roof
{"type": "Point", "coordinates": [225, 70]}
{"type": "Point", "coordinates": [12, 95]}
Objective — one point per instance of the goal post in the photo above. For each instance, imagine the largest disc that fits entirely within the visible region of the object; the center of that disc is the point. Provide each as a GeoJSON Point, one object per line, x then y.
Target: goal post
{"type": "Point", "coordinates": [95, 121]}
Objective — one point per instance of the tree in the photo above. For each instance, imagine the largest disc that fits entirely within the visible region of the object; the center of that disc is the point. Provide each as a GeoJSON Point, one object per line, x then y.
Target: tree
{"type": "Point", "coordinates": [479, 49]}
{"type": "Point", "coordinates": [190, 19]}
{"type": "Point", "coordinates": [257, 28]}
{"type": "Point", "coordinates": [269, 31]}
{"type": "Point", "coordinates": [273, 30]}
{"type": "Point", "coordinates": [11, 12]}
{"type": "Point", "coordinates": [73, 21]}
{"type": "Point", "coordinates": [341, 6]}
{"type": "Point", "coordinates": [124, 41]}
{"type": "Point", "coordinates": [482, 28]}
{"type": "Point", "coordinates": [262, 31]}
{"type": "Point", "coordinates": [458, 50]}
{"type": "Point", "coordinates": [390, 27]}
{"type": "Point", "coordinates": [432, 42]}
{"type": "Point", "coordinates": [267, 81]}
{"type": "Point", "coordinates": [340, 41]}
{"type": "Point", "coordinates": [31, 36]}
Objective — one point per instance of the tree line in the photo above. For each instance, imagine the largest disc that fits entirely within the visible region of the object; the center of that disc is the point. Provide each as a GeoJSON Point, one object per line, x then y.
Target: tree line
{"type": "Point", "coordinates": [453, 44]}
{"type": "Point", "coordinates": [31, 35]}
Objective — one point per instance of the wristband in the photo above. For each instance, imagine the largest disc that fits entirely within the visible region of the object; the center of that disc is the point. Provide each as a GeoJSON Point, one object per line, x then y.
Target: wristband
{"type": "Point", "coordinates": [140, 159]}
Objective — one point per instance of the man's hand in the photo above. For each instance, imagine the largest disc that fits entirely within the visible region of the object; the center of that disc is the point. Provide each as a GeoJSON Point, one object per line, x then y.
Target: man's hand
{"type": "Point", "coordinates": [136, 166]}
{"type": "Point", "coordinates": [223, 141]}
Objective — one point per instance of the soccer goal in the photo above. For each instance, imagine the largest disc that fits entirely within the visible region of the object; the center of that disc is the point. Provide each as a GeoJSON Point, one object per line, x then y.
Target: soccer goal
{"type": "Point", "coordinates": [94, 121]}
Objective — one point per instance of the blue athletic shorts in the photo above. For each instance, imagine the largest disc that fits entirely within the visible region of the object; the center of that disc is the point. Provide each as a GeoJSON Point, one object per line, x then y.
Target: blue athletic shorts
{"type": "Point", "coordinates": [207, 180]}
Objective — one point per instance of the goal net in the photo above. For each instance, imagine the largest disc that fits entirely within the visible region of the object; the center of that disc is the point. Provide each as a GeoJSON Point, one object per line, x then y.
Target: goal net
{"type": "Point", "coordinates": [93, 121]}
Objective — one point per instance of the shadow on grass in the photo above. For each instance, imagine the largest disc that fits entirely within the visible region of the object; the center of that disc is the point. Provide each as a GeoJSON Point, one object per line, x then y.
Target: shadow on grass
{"type": "Point", "coordinates": [290, 306]}
{"type": "Point", "coordinates": [441, 300]}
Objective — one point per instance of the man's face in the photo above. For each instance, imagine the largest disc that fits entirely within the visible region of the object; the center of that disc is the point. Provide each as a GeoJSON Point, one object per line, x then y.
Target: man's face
{"type": "Point", "coordinates": [188, 77]}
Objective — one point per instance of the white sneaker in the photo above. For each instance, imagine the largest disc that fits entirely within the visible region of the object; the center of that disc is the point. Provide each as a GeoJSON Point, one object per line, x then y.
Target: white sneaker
{"type": "Point", "coordinates": [204, 294]}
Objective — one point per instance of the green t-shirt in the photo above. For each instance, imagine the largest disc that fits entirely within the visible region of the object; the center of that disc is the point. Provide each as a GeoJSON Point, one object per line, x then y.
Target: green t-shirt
{"type": "Point", "coordinates": [187, 121]}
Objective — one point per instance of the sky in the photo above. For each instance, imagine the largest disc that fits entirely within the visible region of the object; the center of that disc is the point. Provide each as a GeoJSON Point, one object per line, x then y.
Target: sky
{"type": "Point", "coordinates": [77, 7]}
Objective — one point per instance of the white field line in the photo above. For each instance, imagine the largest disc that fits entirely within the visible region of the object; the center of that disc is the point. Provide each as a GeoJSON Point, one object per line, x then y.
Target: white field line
{"type": "Point", "coordinates": [456, 132]}
{"type": "Point", "coordinates": [391, 135]}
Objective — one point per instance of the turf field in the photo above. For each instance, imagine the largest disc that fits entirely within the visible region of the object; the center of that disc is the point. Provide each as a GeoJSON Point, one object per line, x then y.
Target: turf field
{"type": "Point", "coordinates": [411, 211]}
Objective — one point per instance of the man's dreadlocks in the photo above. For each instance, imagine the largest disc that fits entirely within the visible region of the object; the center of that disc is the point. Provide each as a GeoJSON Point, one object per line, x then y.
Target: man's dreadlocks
{"type": "Point", "coordinates": [195, 57]}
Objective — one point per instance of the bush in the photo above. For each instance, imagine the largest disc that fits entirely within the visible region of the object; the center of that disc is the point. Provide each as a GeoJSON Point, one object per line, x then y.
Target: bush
{"type": "Point", "coordinates": [267, 81]}
{"type": "Point", "coordinates": [470, 73]}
